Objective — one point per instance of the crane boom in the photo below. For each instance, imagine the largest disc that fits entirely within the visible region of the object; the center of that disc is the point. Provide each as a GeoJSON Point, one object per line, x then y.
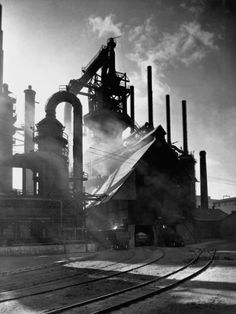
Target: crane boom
{"type": "Point", "coordinates": [103, 57]}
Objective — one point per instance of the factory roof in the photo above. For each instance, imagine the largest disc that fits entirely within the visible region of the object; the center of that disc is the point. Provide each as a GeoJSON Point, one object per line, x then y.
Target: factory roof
{"type": "Point", "coordinates": [208, 214]}
{"type": "Point", "coordinates": [118, 177]}
{"type": "Point", "coordinates": [225, 200]}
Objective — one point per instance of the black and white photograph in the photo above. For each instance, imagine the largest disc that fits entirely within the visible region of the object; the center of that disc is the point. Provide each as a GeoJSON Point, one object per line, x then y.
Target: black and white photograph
{"type": "Point", "coordinates": [117, 156]}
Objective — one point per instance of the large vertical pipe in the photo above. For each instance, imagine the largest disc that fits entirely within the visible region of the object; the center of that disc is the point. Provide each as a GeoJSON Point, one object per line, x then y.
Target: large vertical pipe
{"type": "Point", "coordinates": [78, 150]}
{"type": "Point", "coordinates": [132, 107]}
{"type": "Point", "coordinates": [50, 109]}
{"type": "Point", "coordinates": [168, 125]}
{"type": "Point", "coordinates": [29, 118]}
{"type": "Point", "coordinates": [27, 176]}
{"type": "Point", "coordinates": [68, 130]}
{"type": "Point", "coordinates": [67, 117]}
{"type": "Point", "coordinates": [150, 101]}
{"type": "Point", "coordinates": [185, 132]}
{"type": "Point", "coordinates": [203, 180]}
{"type": "Point", "coordinates": [1, 50]}
{"type": "Point", "coordinates": [78, 159]}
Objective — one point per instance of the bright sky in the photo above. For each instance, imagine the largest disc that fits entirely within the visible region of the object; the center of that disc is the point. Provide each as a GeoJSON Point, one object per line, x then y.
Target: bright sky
{"type": "Point", "coordinates": [189, 43]}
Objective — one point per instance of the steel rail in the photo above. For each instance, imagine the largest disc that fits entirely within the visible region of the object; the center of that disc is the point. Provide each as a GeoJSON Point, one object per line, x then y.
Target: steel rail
{"type": "Point", "coordinates": [65, 277]}
{"type": "Point", "coordinates": [76, 284]}
{"type": "Point", "coordinates": [126, 303]}
{"type": "Point", "coordinates": [35, 268]}
{"type": "Point", "coordinates": [157, 291]}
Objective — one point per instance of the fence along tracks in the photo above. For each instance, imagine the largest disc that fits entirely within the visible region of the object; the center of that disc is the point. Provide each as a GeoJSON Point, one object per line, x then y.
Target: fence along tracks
{"type": "Point", "coordinates": [130, 299]}
{"type": "Point", "coordinates": [7, 295]}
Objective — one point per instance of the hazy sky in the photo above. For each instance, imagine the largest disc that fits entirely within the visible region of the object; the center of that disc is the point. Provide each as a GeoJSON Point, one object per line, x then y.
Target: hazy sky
{"type": "Point", "coordinates": [190, 44]}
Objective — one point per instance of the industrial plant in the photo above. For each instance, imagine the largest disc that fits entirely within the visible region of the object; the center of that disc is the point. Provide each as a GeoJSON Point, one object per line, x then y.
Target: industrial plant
{"type": "Point", "coordinates": [141, 184]}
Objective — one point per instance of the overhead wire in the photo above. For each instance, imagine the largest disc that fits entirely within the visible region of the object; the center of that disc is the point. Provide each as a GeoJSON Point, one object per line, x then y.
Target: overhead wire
{"type": "Point", "coordinates": [113, 154]}
{"type": "Point", "coordinates": [103, 158]}
{"type": "Point", "coordinates": [222, 179]}
{"type": "Point", "coordinates": [109, 155]}
{"type": "Point", "coordinates": [224, 183]}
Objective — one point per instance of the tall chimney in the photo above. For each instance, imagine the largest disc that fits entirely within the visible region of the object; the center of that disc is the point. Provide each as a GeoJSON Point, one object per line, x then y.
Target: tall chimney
{"type": "Point", "coordinates": [1, 49]}
{"type": "Point", "coordinates": [185, 132]}
{"type": "Point", "coordinates": [203, 180]}
{"type": "Point", "coordinates": [150, 102]}
{"type": "Point", "coordinates": [27, 177]}
{"type": "Point", "coordinates": [29, 117]}
{"type": "Point", "coordinates": [168, 125]}
{"type": "Point", "coordinates": [132, 107]}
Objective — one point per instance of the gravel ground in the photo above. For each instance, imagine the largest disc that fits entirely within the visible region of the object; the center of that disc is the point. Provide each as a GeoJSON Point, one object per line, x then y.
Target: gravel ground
{"type": "Point", "coordinates": [214, 291]}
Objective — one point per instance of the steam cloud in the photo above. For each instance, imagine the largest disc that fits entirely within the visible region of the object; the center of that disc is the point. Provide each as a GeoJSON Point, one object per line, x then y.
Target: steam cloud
{"type": "Point", "coordinates": [186, 46]}
{"type": "Point", "coordinates": [105, 26]}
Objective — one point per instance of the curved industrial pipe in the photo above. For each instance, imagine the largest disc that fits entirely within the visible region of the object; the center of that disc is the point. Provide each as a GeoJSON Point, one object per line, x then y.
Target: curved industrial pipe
{"type": "Point", "coordinates": [50, 108]}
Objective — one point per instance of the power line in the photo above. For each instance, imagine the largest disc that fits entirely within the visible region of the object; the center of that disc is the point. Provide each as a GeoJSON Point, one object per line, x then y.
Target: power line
{"type": "Point", "coordinates": [224, 183]}
{"type": "Point", "coordinates": [106, 152]}
{"type": "Point", "coordinates": [222, 179]}
{"type": "Point", "coordinates": [113, 156]}
{"type": "Point", "coordinates": [110, 157]}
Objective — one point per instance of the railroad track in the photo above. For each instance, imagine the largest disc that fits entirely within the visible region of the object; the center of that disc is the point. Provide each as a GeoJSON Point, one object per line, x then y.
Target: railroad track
{"type": "Point", "coordinates": [54, 268]}
{"type": "Point", "coordinates": [132, 295]}
{"type": "Point", "coordinates": [41, 267]}
{"type": "Point", "coordinates": [40, 289]}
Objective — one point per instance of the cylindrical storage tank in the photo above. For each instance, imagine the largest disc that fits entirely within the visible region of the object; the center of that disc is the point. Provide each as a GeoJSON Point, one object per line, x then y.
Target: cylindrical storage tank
{"type": "Point", "coordinates": [52, 149]}
{"type": "Point", "coordinates": [50, 136]}
{"type": "Point", "coordinates": [7, 130]}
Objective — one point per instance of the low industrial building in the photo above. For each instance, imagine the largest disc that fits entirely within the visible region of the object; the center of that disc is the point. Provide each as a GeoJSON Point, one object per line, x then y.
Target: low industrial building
{"type": "Point", "coordinates": [227, 205]}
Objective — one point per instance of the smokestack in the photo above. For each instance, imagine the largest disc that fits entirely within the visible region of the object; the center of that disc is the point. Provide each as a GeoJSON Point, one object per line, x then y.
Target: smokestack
{"type": "Point", "coordinates": [29, 117]}
{"type": "Point", "coordinates": [132, 108]}
{"type": "Point", "coordinates": [203, 180]}
{"type": "Point", "coordinates": [150, 102]}
{"type": "Point", "coordinates": [27, 177]}
{"type": "Point", "coordinates": [185, 132]}
{"type": "Point", "coordinates": [1, 50]}
{"type": "Point", "coordinates": [168, 125]}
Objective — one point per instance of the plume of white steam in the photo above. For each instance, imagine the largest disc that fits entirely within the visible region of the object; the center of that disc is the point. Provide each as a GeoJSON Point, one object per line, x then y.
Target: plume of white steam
{"type": "Point", "coordinates": [189, 44]}
{"type": "Point", "coordinates": [105, 26]}
{"type": "Point", "coordinates": [195, 7]}
{"type": "Point", "coordinates": [101, 148]}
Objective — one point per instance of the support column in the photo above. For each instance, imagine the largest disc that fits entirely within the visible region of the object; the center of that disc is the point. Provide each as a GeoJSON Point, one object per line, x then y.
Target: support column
{"type": "Point", "coordinates": [203, 180]}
